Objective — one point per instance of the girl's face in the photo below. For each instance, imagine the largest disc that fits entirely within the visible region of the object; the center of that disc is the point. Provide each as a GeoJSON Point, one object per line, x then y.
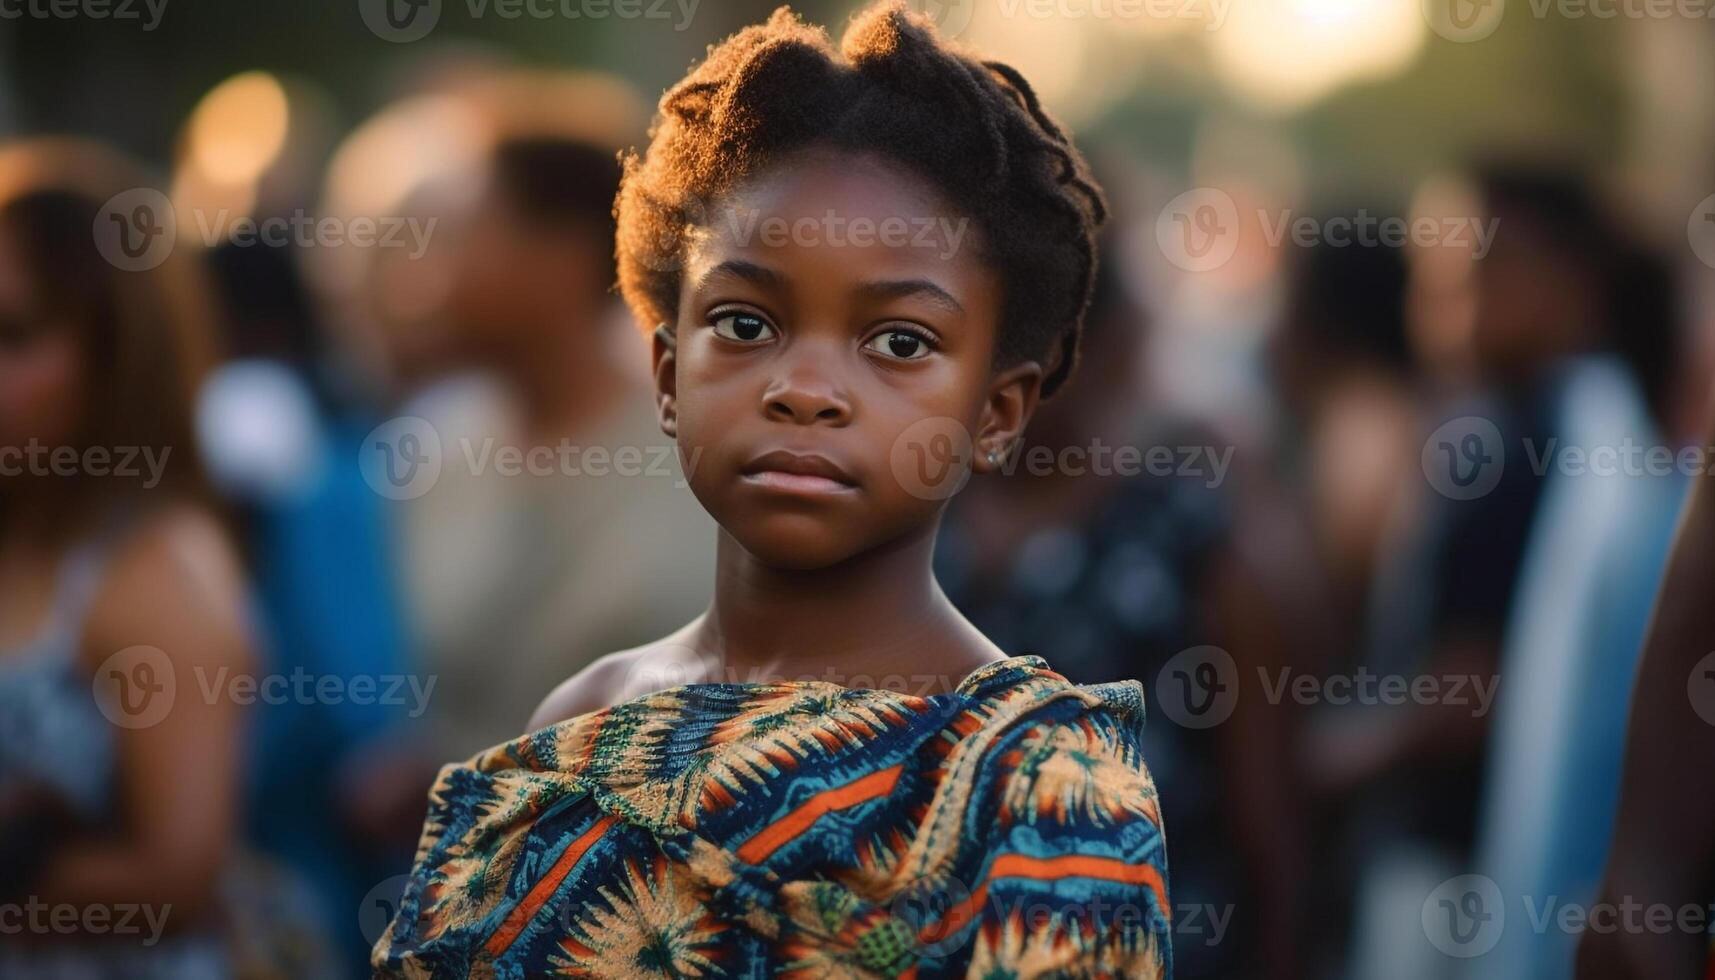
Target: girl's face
{"type": "Point", "coordinates": [39, 363]}
{"type": "Point", "coordinates": [830, 380]}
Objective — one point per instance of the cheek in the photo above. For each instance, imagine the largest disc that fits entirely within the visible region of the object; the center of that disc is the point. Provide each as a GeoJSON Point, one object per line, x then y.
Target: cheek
{"type": "Point", "coordinates": [39, 393]}
{"type": "Point", "coordinates": [711, 396]}
{"type": "Point", "coordinates": [920, 453]}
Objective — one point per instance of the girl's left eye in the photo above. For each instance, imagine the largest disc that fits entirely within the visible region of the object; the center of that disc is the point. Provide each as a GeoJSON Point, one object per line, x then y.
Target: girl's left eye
{"type": "Point", "coordinates": [905, 345]}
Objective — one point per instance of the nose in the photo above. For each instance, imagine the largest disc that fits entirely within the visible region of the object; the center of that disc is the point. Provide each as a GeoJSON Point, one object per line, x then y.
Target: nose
{"type": "Point", "coordinates": [808, 393]}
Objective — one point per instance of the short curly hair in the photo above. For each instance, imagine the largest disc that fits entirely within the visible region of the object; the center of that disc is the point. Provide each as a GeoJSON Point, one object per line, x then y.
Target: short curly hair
{"type": "Point", "coordinates": [973, 129]}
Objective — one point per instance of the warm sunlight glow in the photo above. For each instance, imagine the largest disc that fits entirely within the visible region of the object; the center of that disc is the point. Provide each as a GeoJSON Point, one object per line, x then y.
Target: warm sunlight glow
{"type": "Point", "coordinates": [389, 157]}
{"type": "Point", "coordinates": [1055, 53]}
{"type": "Point", "coordinates": [1284, 54]}
{"type": "Point", "coordinates": [238, 129]}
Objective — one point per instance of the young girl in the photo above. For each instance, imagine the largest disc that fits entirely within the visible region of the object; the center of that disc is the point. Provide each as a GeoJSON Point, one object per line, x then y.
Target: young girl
{"type": "Point", "coordinates": [862, 267]}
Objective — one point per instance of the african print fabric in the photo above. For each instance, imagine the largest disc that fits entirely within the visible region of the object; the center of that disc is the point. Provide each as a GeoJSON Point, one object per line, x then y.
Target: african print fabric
{"type": "Point", "coordinates": [1008, 828]}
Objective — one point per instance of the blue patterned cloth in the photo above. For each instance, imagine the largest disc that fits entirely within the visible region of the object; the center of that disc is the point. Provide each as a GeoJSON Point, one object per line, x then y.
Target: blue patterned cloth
{"type": "Point", "coordinates": [1006, 828]}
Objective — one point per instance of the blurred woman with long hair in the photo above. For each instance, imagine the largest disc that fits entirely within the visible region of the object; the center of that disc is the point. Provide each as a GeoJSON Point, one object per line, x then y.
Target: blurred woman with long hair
{"type": "Point", "coordinates": [121, 599]}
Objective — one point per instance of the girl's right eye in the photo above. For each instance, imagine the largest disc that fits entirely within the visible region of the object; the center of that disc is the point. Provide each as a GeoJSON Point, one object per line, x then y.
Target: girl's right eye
{"type": "Point", "coordinates": [746, 328]}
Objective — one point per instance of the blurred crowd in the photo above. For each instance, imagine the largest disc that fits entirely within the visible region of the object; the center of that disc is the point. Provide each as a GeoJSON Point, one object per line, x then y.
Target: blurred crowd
{"type": "Point", "coordinates": [331, 516]}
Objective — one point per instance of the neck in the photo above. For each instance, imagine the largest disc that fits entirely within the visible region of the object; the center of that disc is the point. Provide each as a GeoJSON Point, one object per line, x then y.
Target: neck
{"type": "Point", "coordinates": [878, 612]}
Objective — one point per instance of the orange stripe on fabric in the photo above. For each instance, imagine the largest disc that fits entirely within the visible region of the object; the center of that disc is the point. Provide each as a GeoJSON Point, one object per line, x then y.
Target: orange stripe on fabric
{"type": "Point", "coordinates": [772, 837]}
{"type": "Point", "coordinates": [1083, 866]}
{"type": "Point", "coordinates": [525, 910]}
{"type": "Point", "coordinates": [1065, 866]}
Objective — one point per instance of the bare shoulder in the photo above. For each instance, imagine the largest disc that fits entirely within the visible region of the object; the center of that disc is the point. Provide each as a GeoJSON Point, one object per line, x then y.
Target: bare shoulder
{"type": "Point", "coordinates": [175, 582]}
{"type": "Point", "coordinates": [622, 676]}
{"type": "Point", "coordinates": [590, 689]}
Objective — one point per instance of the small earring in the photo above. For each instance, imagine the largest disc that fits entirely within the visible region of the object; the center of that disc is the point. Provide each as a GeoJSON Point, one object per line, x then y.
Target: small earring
{"type": "Point", "coordinates": [994, 457]}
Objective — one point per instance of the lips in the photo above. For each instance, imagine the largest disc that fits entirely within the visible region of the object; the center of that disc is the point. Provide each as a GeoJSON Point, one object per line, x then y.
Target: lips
{"type": "Point", "coordinates": [798, 473]}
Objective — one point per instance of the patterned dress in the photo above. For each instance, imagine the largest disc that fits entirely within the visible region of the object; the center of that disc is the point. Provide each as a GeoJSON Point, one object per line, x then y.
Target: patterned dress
{"type": "Point", "coordinates": [1008, 828]}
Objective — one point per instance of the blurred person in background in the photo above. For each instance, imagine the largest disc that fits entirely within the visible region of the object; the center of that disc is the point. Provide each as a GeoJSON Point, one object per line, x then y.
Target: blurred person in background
{"type": "Point", "coordinates": [1587, 582]}
{"type": "Point", "coordinates": [559, 528]}
{"type": "Point", "coordinates": [1410, 776]}
{"type": "Point", "coordinates": [1344, 378]}
{"type": "Point", "coordinates": [336, 783]}
{"type": "Point", "coordinates": [1663, 841]}
{"type": "Point", "coordinates": [1109, 570]}
{"type": "Point", "coordinates": [102, 803]}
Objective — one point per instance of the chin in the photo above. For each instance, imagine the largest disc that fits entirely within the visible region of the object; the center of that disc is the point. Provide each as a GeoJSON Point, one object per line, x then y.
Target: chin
{"type": "Point", "coordinates": [795, 542]}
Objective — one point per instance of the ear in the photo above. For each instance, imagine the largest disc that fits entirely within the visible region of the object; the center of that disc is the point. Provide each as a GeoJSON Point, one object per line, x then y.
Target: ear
{"type": "Point", "coordinates": [663, 350]}
{"type": "Point", "coordinates": [1011, 401]}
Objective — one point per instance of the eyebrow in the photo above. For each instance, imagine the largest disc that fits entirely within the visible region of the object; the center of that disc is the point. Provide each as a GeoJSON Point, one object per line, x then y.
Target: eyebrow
{"type": "Point", "coordinates": [748, 271]}
{"type": "Point", "coordinates": [879, 289]}
{"type": "Point", "coordinates": [899, 288]}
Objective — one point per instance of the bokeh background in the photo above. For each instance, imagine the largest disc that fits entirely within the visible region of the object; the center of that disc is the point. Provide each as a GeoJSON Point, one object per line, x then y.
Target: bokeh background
{"type": "Point", "coordinates": [1414, 300]}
